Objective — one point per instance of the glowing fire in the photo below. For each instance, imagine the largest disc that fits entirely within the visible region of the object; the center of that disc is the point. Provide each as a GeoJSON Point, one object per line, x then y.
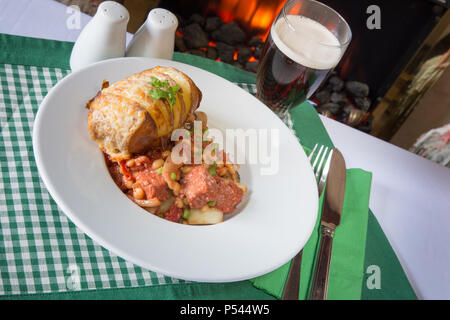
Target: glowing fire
{"type": "Point", "coordinates": [254, 15]}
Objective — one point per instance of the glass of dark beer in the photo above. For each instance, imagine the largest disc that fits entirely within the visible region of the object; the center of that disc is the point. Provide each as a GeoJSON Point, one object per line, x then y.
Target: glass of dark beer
{"type": "Point", "coordinates": [305, 43]}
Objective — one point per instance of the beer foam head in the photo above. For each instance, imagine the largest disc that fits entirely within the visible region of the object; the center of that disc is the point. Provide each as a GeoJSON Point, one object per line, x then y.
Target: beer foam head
{"type": "Point", "coordinates": [311, 44]}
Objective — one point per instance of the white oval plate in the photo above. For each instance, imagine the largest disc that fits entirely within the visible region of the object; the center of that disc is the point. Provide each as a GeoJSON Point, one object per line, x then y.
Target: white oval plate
{"type": "Point", "coordinates": [273, 224]}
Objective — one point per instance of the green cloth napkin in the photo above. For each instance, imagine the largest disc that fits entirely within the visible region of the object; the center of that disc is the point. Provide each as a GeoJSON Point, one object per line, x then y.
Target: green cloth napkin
{"type": "Point", "coordinates": [347, 260]}
{"type": "Point", "coordinates": [394, 283]}
{"type": "Point", "coordinates": [309, 129]}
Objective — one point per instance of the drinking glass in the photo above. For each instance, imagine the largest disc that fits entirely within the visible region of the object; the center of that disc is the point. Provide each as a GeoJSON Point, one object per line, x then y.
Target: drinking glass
{"type": "Point", "coordinates": [305, 43]}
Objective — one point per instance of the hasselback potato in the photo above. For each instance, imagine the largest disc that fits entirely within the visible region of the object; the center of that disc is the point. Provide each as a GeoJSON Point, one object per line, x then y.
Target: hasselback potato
{"type": "Point", "coordinates": [141, 111]}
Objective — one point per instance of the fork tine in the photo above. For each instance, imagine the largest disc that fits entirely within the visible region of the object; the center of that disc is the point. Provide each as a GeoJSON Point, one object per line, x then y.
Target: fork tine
{"type": "Point", "coordinates": [312, 152]}
{"type": "Point", "coordinates": [326, 168]}
{"type": "Point", "coordinates": [317, 159]}
{"type": "Point", "coordinates": [319, 166]}
{"type": "Point", "coordinates": [324, 156]}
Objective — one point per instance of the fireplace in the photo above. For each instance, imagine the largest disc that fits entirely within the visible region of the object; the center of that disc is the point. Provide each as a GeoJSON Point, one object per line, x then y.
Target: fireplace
{"type": "Point", "coordinates": [230, 31]}
{"type": "Point", "coordinates": [233, 31]}
{"type": "Point", "coordinates": [254, 16]}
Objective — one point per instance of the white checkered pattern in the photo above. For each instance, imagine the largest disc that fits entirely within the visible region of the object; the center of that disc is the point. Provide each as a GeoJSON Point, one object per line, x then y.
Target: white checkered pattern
{"type": "Point", "coordinates": [39, 246]}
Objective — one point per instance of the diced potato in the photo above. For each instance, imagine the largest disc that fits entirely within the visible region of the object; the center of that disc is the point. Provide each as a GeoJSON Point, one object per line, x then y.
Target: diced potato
{"type": "Point", "coordinates": [165, 206]}
{"type": "Point", "coordinates": [210, 216]}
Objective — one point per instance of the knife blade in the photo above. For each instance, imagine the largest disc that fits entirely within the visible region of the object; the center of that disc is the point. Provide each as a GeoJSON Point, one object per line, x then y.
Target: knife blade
{"type": "Point", "coordinates": [334, 191]}
{"type": "Point", "coordinates": [331, 218]}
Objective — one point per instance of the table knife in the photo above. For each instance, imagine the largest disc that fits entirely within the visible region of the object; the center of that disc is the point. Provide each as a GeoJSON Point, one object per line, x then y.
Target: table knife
{"type": "Point", "coordinates": [331, 217]}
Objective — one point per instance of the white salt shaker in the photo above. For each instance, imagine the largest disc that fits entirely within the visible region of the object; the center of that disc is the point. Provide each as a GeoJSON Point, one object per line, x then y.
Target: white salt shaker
{"type": "Point", "coordinates": [156, 37]}
{"type": "Point", "coordinates": [104, 37]}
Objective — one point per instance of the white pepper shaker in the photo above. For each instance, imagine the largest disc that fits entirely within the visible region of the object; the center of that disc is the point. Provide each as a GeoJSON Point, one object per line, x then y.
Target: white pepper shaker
{"type": "Point", "coordinates": [156, 37]}
{"type": "Point", "coordinates": [104, 37]}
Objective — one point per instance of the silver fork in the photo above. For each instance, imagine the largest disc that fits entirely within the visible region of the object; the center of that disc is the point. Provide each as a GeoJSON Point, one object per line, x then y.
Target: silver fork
{"type": "Point", "coordinates": [292, 284]}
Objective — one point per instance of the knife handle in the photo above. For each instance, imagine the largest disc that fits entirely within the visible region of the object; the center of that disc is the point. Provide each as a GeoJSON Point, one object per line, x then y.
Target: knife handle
{"type": "Point", "coordinates": [319, 288]}
{"type": "Point", "coordinates": [292, 284]}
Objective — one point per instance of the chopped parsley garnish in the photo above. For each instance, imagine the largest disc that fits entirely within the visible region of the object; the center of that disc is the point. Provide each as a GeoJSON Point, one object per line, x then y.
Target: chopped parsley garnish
{"type": "Point", "coordinates": [212, 169]}
{"type": "Point", "coordinates": [158, 83]}
{"type": "Point", "coordinates": [163, 90]}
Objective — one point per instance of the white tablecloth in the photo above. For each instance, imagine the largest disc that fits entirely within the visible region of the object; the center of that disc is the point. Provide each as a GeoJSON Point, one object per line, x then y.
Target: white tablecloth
{"type": "Point", "coordinates": [410, 195]}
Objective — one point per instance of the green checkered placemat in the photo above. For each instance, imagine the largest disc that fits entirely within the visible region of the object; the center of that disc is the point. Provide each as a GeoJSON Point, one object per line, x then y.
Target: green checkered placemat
{"type": "Point", "coordinates": [43, 250]}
